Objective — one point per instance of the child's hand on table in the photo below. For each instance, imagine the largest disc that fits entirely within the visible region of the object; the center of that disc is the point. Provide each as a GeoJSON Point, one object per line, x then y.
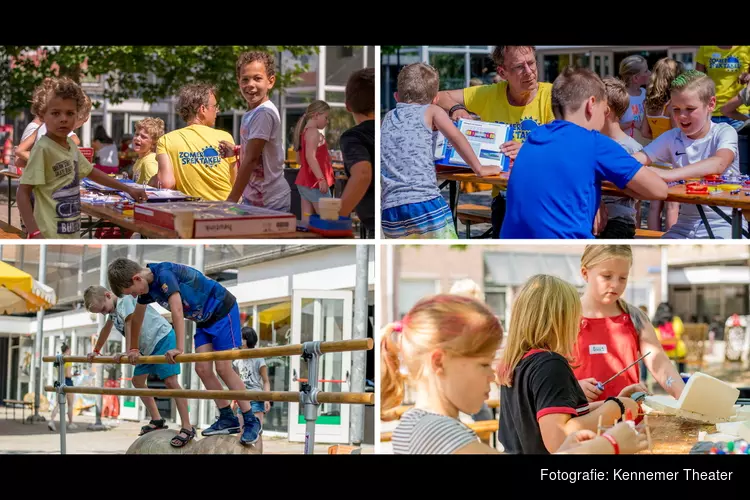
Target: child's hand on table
{"type": "Point", "coordinates": [137, 194]}
{"type": "Point", "coordinates": [628, 439]}
{"type": "Point", "coordinates": [664, 174]}
{"type": "Point", "coordinates": [632, 389]}
{"type": "Point", "coordinates": [487, 170]}
{"type": "Point", "coordinates": [576, 438]}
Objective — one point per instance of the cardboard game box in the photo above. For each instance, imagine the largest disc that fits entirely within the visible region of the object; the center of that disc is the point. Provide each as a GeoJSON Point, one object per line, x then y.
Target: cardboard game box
{"type": "Point", "coordinates": [215, 219]}
{"type": "Point", "coordinates": [485, 139]}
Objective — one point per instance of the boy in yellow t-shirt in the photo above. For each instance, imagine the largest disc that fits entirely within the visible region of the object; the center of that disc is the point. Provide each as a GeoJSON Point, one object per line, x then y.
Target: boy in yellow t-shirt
{"type": "Point", "coordinates": [518, 100]}
{"type": "Point", "coordinates": [147, 133]}
{"type": "Point", "coordinates": [55, 168]}
{"type": "Point", "coordinates": [189, 158]}
{"type": "Point", "coordinates": [728, 67]}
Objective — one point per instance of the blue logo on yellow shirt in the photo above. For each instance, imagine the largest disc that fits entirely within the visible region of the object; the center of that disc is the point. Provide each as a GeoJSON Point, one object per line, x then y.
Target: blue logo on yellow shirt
{"type": "Point", "coordinates": [209, 157]}
{"type": "Point", "coordinates": [522, 129]}
{"type": "Point", "coordinates": [730, 63]}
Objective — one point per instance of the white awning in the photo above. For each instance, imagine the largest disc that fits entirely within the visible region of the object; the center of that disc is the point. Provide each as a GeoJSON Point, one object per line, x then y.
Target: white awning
{"type": "Point", "coordinates": [515, 268]}
{"type": "Point", "coordinates": [709, 275]}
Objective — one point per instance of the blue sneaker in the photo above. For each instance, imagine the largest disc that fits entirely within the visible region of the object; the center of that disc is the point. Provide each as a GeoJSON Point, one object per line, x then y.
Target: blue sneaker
{"type": "Point", "coordinates": [252, 430]}
{"type": "Point", "coordinates": [224, 425]}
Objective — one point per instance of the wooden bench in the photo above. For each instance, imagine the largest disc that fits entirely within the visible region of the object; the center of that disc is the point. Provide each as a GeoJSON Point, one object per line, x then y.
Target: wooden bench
{"type": "Point", "coordinates": [648, 234]}
{"type": "Point", "coordinates": [469, 214]}
{"type": "Point", "coordinates": [15, 403]}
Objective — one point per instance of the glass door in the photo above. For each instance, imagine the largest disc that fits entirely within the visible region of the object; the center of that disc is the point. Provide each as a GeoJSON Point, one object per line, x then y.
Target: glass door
{"type": "Point", "coordinates": [325, 316]}
{"type": "Point", "coordinates": [685, 56]}
{"type": "Point", "coordinates": [602, 63]}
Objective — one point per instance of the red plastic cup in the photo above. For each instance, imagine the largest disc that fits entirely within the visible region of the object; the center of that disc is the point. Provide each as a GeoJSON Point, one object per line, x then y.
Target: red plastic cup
{"type": "Point", "coordinates": [88, 153]}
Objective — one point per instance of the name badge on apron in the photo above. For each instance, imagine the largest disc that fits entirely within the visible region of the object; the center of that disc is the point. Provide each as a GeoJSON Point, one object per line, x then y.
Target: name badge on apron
{"type": "Point", "coordinates": [598, 349]}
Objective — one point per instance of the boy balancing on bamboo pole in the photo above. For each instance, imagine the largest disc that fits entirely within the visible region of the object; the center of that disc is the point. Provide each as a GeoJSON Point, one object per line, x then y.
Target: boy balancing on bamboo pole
{"type": "Point", "coordinates": [188, 294]}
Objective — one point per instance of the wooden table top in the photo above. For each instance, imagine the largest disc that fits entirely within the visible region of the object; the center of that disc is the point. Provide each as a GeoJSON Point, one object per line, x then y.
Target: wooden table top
{"type": "Point", "coordinates": [8, 173]}
{"type": "Point", "coordinates": [158, 232]}
{"type": "Point", "coordinates": [675, 193]}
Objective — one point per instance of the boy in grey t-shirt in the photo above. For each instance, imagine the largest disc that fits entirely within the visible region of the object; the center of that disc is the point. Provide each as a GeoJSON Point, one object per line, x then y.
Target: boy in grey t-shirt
{"type": "Point", "coordinates": [621, 214]}
{"type": "Point", "coordinates": [158, 337]}
{"type": "Point", "coordinates": [254, 373]}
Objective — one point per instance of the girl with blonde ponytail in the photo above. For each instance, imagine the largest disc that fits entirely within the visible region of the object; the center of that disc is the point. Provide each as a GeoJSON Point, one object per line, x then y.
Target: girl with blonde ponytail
{"type": "Point", "coordinates": [315, 176]}
{"type": "Point", "coordinates": [614, 333]}
{"type": "Point", "coordinates": [542, 406]}
{"type": "Point", "coordinates": [444, 348]}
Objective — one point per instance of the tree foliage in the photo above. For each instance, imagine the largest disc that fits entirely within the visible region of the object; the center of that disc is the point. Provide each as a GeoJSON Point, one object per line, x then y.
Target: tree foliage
{"type": "Point", "coordinates": [148, 72]}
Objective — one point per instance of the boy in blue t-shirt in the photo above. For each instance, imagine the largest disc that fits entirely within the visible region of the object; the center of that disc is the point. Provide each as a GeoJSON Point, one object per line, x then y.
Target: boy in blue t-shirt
{"type": "Point", "coordinates": [188, 294]}
{"type": "Point", "coordinates": [554, 189]}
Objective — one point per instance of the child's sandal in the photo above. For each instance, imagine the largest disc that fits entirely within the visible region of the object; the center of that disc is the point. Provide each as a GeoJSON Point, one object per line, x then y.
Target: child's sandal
{"type": "Point", "coordinates": [157, 425]}
{"type": "Point", "coordinates": [179, 441]}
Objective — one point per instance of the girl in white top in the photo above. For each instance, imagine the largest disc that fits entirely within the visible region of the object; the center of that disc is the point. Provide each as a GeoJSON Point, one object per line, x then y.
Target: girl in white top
{"type": "Point", "coordinates": [106, 150]}
{"type": "Point", "coordinates": [696, 148]}
{"type": "Point", "coordinates": [445, 347]}
{"type": "Point", "coordinates": [634, 72]}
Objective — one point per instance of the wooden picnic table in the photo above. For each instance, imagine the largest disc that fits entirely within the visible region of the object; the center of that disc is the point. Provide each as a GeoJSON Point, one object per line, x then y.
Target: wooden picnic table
{"type": "Point", "coordinates": [452, 176]}
{"type": "Point", "coordinates": [152, 231]}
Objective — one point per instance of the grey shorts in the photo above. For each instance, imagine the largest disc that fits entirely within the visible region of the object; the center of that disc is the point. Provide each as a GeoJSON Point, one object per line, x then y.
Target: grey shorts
{"type": "Point", "coordinates": [312, 195]}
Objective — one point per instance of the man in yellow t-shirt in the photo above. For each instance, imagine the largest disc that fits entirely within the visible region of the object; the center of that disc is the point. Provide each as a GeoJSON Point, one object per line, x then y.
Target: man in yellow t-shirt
{"type": "Point", "coordinates": [189, 158]}
{"type": "Point", "coordinates": [518, 100]}
{"type": "Point", "coordinates": [729, 68]}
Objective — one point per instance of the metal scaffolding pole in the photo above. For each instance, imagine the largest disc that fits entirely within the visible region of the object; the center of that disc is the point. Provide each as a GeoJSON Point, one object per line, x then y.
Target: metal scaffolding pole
{"type": "Point", "coordinates": [103, 264]}
{"type": "Point", "coordinates": [359, 358]}
{"type": "Point", "coordinates": [39, 340]}
{"type": "Point", "coordinates": [195, 382]}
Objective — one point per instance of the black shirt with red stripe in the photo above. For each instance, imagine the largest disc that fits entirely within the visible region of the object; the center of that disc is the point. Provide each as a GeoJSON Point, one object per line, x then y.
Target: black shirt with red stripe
{"type": "Point", "coordinates": [543, 384]}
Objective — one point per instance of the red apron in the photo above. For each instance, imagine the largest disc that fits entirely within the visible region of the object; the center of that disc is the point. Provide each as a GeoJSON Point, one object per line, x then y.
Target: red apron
{"type": "Point", "coordinates": [604, 347]}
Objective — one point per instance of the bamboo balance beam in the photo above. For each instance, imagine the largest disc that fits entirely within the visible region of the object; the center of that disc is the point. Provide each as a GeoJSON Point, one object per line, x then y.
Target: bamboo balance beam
{"type": "Point", "coordinates": [260, 352]}
{"type": "Point", "coordinates": [359, 398]}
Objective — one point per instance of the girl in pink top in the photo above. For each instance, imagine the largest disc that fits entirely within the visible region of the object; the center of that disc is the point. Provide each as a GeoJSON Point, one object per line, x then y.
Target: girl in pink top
{"type": "Point", "coordinates": [315, 176]}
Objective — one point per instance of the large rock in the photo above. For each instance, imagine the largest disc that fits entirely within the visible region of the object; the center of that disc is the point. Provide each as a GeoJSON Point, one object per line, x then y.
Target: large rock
{"type": "Point", "coordinates": [225, 445]}
{"type": "Point", "coordinates": [158, 443]}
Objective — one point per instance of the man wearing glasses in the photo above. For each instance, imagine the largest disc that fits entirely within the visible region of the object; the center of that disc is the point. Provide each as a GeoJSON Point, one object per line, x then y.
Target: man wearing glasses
{"type": "Point", "coordinates": [189, 158]}
{"type": "Point", "coordinates": [518, 100]}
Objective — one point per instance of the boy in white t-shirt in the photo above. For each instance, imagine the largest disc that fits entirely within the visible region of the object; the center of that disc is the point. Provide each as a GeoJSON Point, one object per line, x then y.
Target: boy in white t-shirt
{"type": "Point", "coordinates": [157, 339]}
{"type": "Point", "coordinates": [260, 178]}
{"type": "Point", "coordinates": [254, 373]}
{"type": "Point", "coordinates": [697, 147]}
